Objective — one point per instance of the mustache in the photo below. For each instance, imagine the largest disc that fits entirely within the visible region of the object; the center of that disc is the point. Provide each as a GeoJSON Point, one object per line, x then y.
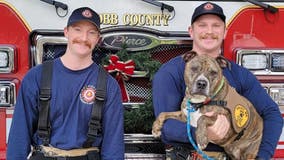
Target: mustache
{"type": "Point", "coordinates": [88, 44]}
{"type": "Point", "coordinates": [207, 35]}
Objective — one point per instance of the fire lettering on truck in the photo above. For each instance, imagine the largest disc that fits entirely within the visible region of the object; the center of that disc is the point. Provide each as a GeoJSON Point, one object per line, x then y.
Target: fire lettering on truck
{"type": "Point", "coordinates": [109, 19]}
{"type": "Point", "coordinates": [146, 19]}
{"type": "Point", "coordinates": [135, 19]}
{"type": "Point", "coordinates": [133, 42]}
{"type": "Point", "coordinates": [129, 40]}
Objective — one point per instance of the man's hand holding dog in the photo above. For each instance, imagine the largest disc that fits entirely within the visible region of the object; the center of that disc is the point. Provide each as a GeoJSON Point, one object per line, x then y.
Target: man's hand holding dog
{"type": "Point", "coordinates": [219, 129]}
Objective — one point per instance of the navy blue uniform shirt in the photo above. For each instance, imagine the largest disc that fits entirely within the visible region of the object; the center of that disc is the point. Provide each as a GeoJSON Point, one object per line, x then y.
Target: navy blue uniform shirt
{"type": "Point", "coordinates": [70, 110]}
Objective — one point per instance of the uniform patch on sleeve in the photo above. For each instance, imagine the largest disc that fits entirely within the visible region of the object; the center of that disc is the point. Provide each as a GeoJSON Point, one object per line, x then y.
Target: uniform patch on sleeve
{"type": "Point", "coordinates": [241, 115]}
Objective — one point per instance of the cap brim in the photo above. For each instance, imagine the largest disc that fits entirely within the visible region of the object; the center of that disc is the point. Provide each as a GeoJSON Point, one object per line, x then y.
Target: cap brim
{"type": "Point", "coordinates": [209, 12]}
{"type": "Point", "coordinates": [73, 22]}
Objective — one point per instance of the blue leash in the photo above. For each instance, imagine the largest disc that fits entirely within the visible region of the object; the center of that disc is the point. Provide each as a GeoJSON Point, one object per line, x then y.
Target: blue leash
{"type": "Point", "coordinates": [199, 151]}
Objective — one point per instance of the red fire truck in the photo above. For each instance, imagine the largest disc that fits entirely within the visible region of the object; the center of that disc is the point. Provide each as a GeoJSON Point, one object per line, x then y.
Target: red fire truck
{"type": "Point", "coordinates": [32, 31]}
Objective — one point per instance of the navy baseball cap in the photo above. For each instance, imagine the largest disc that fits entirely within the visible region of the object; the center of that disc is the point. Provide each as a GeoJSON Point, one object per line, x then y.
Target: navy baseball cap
{"type": "Point", "coordinates": [208, 8]}
{"type": "Point", "coordinates": [84, 13]}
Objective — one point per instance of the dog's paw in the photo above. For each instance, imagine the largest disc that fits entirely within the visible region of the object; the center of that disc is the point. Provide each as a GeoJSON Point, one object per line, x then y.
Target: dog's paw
{"type": "Point", "coordinates": [201, 146]}
{"type": "Point", "coordinates": [156, 133]}
{"type": "Point", "coordinates": [156, 129]}
{"type": "Point", "coordinates": [202, 141]}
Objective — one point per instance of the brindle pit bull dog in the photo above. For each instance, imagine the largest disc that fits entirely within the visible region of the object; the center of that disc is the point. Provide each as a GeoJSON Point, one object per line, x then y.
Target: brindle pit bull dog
{"type": "Point", "coordinates": [208, 90]}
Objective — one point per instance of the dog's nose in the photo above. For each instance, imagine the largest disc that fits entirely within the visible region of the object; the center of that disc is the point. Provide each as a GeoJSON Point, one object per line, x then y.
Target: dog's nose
{"type": "Point", "coordinates": [201, 84]}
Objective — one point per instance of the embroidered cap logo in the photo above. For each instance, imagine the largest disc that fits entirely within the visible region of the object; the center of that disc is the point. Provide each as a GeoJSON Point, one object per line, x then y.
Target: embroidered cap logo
{"type": "Point", "coordinates": [208, 6]}
{"type": "Point", "coordinates": [87, 13]}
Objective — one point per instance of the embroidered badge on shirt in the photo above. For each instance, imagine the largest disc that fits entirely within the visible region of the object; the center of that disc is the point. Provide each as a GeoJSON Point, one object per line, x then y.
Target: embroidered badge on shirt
{"type": "Point", "coordinates": [88, 94]}
{"type": "Point", "coordinates": [241, 115]}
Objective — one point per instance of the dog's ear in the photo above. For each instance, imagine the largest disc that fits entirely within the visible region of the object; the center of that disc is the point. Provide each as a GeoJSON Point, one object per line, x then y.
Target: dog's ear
{"type": "Point", "coordinates": [189, 55]}
{"type": "Point", "coordinates": [222, 61]}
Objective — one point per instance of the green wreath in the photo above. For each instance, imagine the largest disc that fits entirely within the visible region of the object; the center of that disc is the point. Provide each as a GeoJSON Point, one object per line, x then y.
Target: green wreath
{"type": "Point", "coordinates": [140, 119]}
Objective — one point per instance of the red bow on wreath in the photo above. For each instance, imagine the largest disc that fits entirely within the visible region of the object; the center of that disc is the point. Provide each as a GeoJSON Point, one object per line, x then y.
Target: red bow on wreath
{"type": "Point", "coordinates": [124, 70]}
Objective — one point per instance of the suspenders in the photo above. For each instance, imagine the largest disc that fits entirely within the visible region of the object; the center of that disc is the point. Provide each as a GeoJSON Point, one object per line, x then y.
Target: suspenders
{"type": "Point", "coordinates": [95, 123]}
{"type": "Point", "coordinates": [44, 128]}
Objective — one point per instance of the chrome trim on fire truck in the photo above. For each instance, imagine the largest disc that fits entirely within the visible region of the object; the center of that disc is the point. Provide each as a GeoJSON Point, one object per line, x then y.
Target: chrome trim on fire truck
{"type": "Point", "coordinates": [143, 146]}
{"type": "Point", "coordinates": [10, 58]}
{"type": "Point", "coordinates": [139, 38]}
{"type": "Point", "coordinates": [148, 156]}
{"type": "Point", "coordinates": [41, 41]}
{"type": "Point", "coordinates": [7, 94]}
{"type": "Point", "coordinates": [136, 41]}
{"type": "Point", "coordinates": [140, 138]}
{"type": "Point", "coordinates": [276, 91]}
{"type": "Point", "coordinates": [270, 69]}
